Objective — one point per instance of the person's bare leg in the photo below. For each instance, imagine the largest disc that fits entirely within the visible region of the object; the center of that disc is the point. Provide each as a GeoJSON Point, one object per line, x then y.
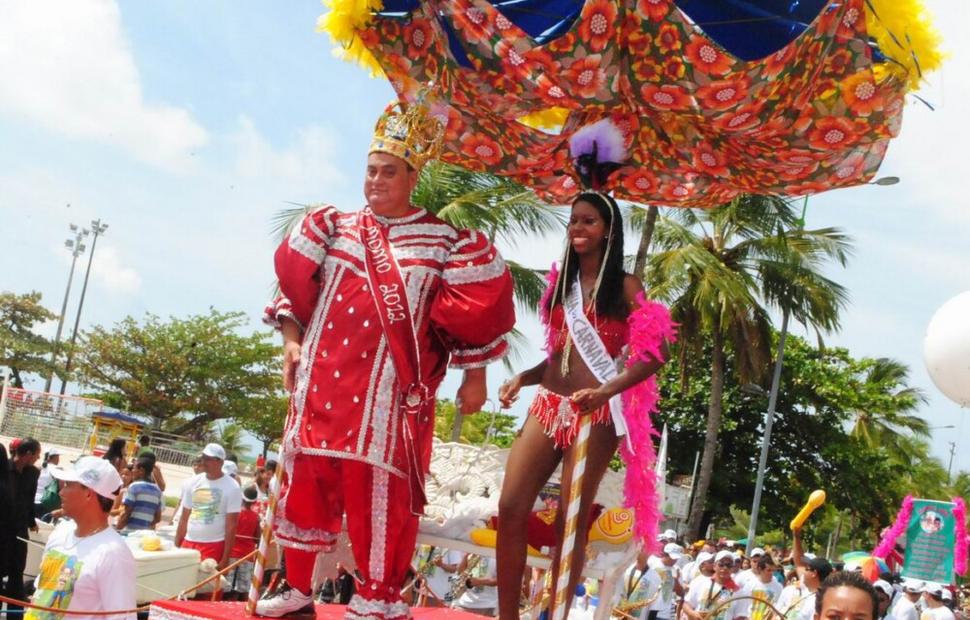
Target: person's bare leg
{"type": "Point", "coordinates": [602, 444]}
{"type": "Point", "coordinates": [531, 461]}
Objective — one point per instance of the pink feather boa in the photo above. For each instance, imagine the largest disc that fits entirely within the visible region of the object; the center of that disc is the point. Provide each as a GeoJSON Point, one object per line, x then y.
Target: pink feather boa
{"type": "Point", "coordinates": [960, 550]}
{"type": "Point", "coordinates": [650, 328]}
{"type": "Point", "coordinates": [551, 278]}
{"type": "Point", "coordinates": [888, 542]}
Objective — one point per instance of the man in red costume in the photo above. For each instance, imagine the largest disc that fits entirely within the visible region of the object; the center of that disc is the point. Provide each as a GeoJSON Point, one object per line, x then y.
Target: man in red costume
{"type": "Point", "coordinates": [374, 306]}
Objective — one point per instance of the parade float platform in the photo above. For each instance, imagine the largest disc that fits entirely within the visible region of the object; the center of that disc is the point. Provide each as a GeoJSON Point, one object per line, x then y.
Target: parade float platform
{"type": "Point", "coordinates": [209, 610]}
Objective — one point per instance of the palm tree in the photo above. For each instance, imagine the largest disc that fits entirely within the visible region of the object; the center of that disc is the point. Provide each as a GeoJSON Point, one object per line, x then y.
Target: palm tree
{"type": "Point", "coordinates": [721, 270]}
{"type": "Point", "coordinates": [230, 437]}
{"type": "Point", "coordinates": [497, 206]}
{"type": "Point", "coordinates": [885, 381]}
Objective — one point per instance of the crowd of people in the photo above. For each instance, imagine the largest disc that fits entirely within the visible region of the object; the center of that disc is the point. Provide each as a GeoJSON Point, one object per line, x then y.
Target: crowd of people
{"type": "Point", "coordinates": [718, 581]}
{"type": "Point", "coordinates": [94, 502]}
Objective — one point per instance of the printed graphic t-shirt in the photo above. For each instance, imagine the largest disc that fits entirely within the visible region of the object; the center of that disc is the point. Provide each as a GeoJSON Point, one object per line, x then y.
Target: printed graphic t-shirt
{"type": "Point", "coordinates": [762, 593]}
{"type": "Point", "coordinates": [210, 501]}
{"type": "Point", "coordinates": [92, 573]}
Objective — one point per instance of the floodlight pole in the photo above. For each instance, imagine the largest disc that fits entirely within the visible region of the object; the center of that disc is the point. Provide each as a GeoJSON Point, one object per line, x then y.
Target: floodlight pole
{"type": "Point", "coordinates": [77, 248]}
{"type": "Point", "coordinates": [98, 229]}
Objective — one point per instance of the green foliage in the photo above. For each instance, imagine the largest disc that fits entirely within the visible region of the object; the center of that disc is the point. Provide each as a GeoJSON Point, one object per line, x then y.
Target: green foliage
{"type": "Point", "coordinates": [21, 349]}
{"type": "Point", "coordinates": [187, 373]}
{"type": "Point", "coordinates": [474, 428]}
{"type": "Point", "coordinates": [264, 419]}
{"type": "Point", "coordinates": [721, 271]}
{"type": "Point", "coordinates": [230, 437]}
{"type": "Point", "coordinates": [812, 444]}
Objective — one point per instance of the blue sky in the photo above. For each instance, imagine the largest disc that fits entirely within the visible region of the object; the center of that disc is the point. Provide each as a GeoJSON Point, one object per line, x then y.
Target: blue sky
{"type": "Point", "coordinates": [186, 126]}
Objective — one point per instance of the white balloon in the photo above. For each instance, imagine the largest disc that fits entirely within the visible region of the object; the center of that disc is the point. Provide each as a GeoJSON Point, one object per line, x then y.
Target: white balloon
{"type": "Point", "coordinates": [946, 349]}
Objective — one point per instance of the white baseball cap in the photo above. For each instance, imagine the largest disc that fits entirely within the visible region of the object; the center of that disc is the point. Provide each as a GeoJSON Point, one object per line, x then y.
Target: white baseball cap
{"type": "Point", "coordinates": [913, 587]}
{"type": "Point", "coordinates": [704, 556]}
{"type": "Point", "coordinates": [229, 468]}
{"type": "Point", "coordinates": [933, 589]}
{"type": "Point", "coordinates": [670, 535]}
{"type": "Point", "coordinates": [946, 594]}
{"type": "Point", "coordinates": [674, 550]}
{"type": "Point", "coordinates": [96, 474]}
{"type": "Point", "coordinates": [215, 451]}
{"type": "Point", "coordinates": [756, 552]}
{"type": "Point", "coordinates": [722, 555]}
{"type": "Point", "coordinates": [53, 452]}
{"type": "Point", "coordinates": [883, 586]}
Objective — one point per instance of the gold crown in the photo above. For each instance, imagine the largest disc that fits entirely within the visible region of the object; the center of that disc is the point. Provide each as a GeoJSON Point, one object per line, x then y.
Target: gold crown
{"type": "Point", "coordinates": [409, 132]}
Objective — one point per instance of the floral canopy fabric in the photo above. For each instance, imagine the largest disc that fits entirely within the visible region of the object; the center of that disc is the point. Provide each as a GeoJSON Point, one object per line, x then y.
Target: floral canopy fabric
{"type": "Point", "coordinates": [702, 124]}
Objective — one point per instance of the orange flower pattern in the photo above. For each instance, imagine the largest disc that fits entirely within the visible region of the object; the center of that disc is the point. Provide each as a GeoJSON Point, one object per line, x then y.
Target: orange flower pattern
{"type": "Point", "coordinates": [702, 125]}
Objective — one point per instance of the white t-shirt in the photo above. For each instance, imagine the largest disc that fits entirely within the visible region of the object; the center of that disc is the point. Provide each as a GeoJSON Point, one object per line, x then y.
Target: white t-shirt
{"type": "Point", "coordinates": [92, 573]}
{"type": "Point", "coordinates": [635, 586]}
{"type": "Point", "coordinates": [940, 613]}
{"type": "Point", "coordinates": [661, 581]}
{"type": "Point", "coordinates": [210, 501]}
{"type": "Point", "coordinates": [438, 581]}
{"type": "Point", "coordinates": [43, 481]}
{"type": "Point", "coordinates": [705, 594]}
{"type": "Point", "coordinates": [742, 578]}
{"type": "Point", "coordinates": [792, 599]}
{"type": "Point", "coordinates": [768, 592]}
{"type": "Point", "coordinates": [481, 597]}
{"type": "Point", "coordinates": [905, 609]}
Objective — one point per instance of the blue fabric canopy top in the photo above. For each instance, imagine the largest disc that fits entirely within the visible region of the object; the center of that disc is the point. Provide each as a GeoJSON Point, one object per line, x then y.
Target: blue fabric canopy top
{"type": "Point", "coordinates": [748, 29]}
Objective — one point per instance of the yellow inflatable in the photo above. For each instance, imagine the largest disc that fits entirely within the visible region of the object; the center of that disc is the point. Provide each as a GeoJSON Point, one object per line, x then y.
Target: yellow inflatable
{"type": "Point", "coordinates": [816, 499]}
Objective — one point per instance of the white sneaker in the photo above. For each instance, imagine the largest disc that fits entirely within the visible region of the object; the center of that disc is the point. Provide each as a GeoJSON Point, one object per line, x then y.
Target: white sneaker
{"type": "Point", "coordinates": [286, 601]}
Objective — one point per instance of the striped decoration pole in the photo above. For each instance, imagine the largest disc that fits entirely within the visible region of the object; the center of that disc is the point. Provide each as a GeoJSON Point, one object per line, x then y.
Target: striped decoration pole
{"type": "Point", "coordinates": [572, 518]}
{"type": "Point", "coordinates": [260, 563]}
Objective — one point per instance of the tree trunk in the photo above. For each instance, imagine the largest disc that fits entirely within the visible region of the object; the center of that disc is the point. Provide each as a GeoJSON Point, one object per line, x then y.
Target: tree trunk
{"type": "Point", "coordinates": [710, 435]}
{"type": "Point", "coordinates": [18, 381]}
{"type": "Point", "coordinates": [645, 237]}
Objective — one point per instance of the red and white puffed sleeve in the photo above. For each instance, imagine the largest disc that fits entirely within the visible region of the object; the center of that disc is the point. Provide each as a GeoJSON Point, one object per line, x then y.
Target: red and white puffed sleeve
{"type": "Point", "coordinates": [473, 309]}
{"type": "Point", "coordinates": [298, 261]}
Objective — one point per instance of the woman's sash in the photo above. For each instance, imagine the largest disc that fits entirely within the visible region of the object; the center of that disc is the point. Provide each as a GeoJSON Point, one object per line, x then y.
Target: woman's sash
{"type": "Point", "coordinates": [390, 295]}
{"type": "Point", "coordinates": [594, 353]}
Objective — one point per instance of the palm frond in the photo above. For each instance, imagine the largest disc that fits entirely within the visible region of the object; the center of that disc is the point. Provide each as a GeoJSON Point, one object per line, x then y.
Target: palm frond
{"type": "Point", "coordinates": [285, 220]}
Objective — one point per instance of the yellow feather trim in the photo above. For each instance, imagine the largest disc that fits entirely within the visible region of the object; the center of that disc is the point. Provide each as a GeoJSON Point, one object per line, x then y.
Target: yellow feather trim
{"type": "Point", "coordinates": [910, 23]}
{"type": "Point", "coordinates": [550, 118]}
{"type": "Point", "coordinates": [343, 22]}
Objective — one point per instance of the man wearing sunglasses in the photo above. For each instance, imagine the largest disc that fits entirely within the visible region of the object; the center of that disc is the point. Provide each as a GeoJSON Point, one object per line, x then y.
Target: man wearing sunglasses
{"type": "Point", "coordinates": [712, 598]}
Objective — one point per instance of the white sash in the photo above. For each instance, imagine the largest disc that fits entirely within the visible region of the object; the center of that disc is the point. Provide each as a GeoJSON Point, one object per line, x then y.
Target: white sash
{"type": "Point", "coordinates": [594, 353]}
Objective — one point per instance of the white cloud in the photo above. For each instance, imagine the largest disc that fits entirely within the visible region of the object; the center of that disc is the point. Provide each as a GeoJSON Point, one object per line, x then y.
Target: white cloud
{"type": "Point", "coordinates": [310, 160]}
{"type": "Point", "coordinates": [110, 271]}
{"type": "Point", "coordinates": [68, 67]}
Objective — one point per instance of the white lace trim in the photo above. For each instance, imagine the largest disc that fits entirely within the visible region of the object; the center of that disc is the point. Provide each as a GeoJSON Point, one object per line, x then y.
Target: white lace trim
{"type": "Point", "coordinates": [294, 532]}
{"type": "Point", "coordinates": [475, 273]}
{"type": "Point", "coordinates": [307, 247]}
{"type": "Point", "coordinates": [435, 231]}
{"type": "Point", "coordinates": [393, 221]}
{"type": "Point", "coordinates": [378, 511]}
{"type": "Point", "coordinates": [360, 607]}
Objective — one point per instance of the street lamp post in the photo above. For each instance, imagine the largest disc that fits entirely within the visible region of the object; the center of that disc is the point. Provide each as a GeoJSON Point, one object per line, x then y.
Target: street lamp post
{"type": "Point", "coordinates": [766, 440]}
{"type": "Point", "coordinates": [76, 248]}
{"type": "Point", "coordinates": [98, 229]}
